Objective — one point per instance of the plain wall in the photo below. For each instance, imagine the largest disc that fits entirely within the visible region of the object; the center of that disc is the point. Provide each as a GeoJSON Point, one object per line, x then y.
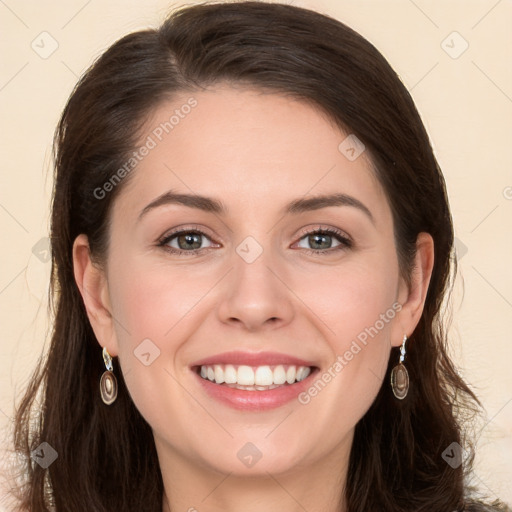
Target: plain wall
{"type": "Point", "coordinates": [464, 97]}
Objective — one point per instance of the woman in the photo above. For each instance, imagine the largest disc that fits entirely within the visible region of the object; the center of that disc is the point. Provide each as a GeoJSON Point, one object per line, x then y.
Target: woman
{"type": "Point", "coordinates": [251, 245]}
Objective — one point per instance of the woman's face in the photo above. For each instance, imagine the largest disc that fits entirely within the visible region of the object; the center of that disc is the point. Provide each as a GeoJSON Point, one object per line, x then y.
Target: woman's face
{"type": "Point", "coordinates": [248, 290]}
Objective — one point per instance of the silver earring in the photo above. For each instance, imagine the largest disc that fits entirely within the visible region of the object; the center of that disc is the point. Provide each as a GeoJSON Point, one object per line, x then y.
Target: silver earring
{"type": "Point", "coordinates": [108, 381]}
{"type": "Point", "coordinates": [400, 375]}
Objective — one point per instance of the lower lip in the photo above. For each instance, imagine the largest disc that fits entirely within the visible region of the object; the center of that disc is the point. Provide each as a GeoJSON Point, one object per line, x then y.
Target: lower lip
{"type": "Point", "coordinates": [256, 400]}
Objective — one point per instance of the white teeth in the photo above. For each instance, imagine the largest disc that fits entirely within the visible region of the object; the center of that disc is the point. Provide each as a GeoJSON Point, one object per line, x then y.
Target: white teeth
{"type": "Point", "coordinates": [264, 376]}
{"type": "Point", "coordinates": [245, 376]}
{"type": "Point", "coordinates": [230, 374]}
{"type": "Point", "coordinates": [290, 374]}
{"type": "Point", "coordinates": [219, 374]}
{"type": "Point", "coordinates": [279, 375]}
{"type": "Point", "coordinates": [302, 373]}
{"type": "Point", "coordinates": [257, 378]}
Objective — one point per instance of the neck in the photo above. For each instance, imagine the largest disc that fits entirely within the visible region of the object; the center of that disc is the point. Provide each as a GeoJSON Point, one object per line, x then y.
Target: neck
{"type": "Point", "coordinates": [316, 487]}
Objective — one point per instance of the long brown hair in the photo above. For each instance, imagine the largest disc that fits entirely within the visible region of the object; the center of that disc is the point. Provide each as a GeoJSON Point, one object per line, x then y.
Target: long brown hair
{"type": "Point", "coordinates": [106, 455]}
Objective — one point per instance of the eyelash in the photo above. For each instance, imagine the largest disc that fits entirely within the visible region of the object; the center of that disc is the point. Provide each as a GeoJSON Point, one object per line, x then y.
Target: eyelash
{"type": "Point", "coordinates": [345, 242]}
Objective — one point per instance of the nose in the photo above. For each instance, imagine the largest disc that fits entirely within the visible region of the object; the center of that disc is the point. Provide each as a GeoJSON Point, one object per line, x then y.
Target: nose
{"type": "Point", "coordinates": [255, 295]}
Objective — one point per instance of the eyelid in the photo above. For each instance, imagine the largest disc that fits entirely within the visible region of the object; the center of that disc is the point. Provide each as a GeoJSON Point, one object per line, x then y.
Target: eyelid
{"type": "Point", "coordinates": [186, 228]}
{"type": "Point", "coordinates": [324, 228]}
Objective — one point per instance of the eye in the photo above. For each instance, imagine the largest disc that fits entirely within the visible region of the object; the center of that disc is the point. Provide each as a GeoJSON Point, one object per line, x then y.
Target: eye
{"type": "Point", "coordinates": [320, 241]}
{"type": "Point", "coordinates": [191, 241]}
{"type": "Point", "coordinates": [184, 241]}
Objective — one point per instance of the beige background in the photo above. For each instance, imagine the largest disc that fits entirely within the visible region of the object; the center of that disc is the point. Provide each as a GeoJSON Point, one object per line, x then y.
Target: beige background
{"type": "Point", "coordinates": [465, 99]}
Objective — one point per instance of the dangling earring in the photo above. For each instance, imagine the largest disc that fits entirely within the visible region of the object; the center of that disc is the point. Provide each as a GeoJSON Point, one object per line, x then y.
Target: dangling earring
{"type": "Point", "coordinates": [400, 375]}
{"type": "Point", "coordinates": [108, 381]}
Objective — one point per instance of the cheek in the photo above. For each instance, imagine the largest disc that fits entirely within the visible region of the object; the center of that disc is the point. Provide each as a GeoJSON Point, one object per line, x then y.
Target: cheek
{"type": "Point", "coordinates": [150, 301]}
{"type": "Point", "coordinates": [358, 308]}
{"type": "Point", "coordinates": [365, 310]}
{"type": "Point", "coordinates": [149, 328]}
{"type": "Point", "coordinates": [355, 300]}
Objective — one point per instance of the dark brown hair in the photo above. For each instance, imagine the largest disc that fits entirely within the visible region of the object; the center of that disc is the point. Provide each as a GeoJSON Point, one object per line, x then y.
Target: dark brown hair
{"type": "Point", "coordinates": [106, 455]}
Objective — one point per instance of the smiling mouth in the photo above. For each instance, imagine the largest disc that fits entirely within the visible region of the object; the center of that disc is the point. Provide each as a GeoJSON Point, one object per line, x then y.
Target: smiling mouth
{"type": "Point", "coordinates": [254, 378]}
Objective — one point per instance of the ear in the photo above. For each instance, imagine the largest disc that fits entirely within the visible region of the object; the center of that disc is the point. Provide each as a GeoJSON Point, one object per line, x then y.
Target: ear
{"type": "Point", "coordinates": [93, 286]}
{"type": "Point", "coordinates": [412, 298]}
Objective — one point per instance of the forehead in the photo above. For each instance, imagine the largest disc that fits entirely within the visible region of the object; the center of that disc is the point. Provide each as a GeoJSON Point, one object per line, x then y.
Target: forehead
{"type": "Point", "coordinates": [245, 147]}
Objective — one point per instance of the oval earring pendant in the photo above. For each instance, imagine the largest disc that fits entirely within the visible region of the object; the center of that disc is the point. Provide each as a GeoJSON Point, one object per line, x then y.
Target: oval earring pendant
{"type": "Point", "coordinates": [108, 387]}
{"type": "Point", "coordinates": [400, 381]}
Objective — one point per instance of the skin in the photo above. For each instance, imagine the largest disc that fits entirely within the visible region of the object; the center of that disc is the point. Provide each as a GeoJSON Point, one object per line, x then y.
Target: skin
{"type": "Point", "coordinates": [255, 152]}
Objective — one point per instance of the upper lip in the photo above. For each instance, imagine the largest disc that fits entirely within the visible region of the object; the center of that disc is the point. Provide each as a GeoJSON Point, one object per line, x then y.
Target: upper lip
{"type": "Point", "coordinates": [252, 359]}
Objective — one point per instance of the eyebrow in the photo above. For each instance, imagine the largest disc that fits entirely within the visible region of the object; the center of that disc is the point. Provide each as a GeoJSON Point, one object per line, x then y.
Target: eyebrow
{"type": "Point", "coordinates": [210, 205]}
